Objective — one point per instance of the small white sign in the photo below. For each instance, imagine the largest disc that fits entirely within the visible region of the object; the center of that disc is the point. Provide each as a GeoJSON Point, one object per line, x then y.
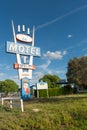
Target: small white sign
{"type": "Point", "coordinates": [42, 85]}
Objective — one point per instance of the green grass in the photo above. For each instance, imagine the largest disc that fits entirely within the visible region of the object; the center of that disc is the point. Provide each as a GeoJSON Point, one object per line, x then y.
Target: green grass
{"type": "Point", "coordinates": [56, 113]}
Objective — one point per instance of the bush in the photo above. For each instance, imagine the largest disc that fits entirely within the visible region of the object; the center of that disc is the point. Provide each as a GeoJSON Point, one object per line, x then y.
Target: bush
{"type": "Point", "coordinates": [43, 93]}
{"type": "Point", "coordinates": [51, 92]}
{"type": "Point", "coordinates": [55, 91]}
{"type": "Point", "coordinates": [67, 89]}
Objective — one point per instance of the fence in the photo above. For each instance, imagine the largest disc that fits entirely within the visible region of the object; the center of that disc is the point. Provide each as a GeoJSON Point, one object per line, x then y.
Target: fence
{"type": "Point", "coordinates": [11, 99]}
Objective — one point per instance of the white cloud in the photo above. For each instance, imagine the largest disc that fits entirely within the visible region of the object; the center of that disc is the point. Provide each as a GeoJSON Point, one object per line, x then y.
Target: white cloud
{"type": "Point", "coordinates": [2, 74]}
{"type": "Point", "coordinates": [57, 55]}
{"type": "Point", "coordinates": [85, 49]}
{"type": "Point", "coordinates": [64, 53]}
{"type": "Point", "coordinates": [8, 67]}
{"type": "Point", "coordinates": [5, 67]}
{"type": "Point", "coordinates": [15, 78]}
{"type": "Point", "coordinates": [69, 36]}
{"type": "Point", "coordinates": [45, 65]}
{"type": "Point", "coordinates": [61, 72]}
{"type": "Point", "coordinates": [36, 76]}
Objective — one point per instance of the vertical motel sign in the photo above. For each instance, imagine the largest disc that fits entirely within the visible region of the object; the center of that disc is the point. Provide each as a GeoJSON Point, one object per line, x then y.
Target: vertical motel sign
{"type": "Point", "coordinates": [23, 47]}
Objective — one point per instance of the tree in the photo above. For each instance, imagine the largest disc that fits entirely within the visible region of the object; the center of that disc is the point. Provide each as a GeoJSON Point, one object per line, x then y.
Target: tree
{"type": "Point", "coordinates": [51, 80]}
{"type": "Point", "coordinates": [8, 86]}
{"type": "Point", "coordinates": [1, 85]}
{"type": "Point", "coordinates": [77, 71]}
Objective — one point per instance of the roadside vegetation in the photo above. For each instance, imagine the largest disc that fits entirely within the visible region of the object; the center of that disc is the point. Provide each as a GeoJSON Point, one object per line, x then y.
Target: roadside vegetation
{"type": "Point", "coordinates": [8, 85]}
{"type": "Point", "coordinates": [55, 113]}
{"type": "Point", "coordinates": [65, 109]}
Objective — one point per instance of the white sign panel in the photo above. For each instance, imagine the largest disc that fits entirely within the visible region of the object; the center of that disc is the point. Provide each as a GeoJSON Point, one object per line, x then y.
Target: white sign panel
{"type": "Point", "coordinates": [25, 74]}
{"type": "Point", "coordinates": [22, 49]}
{"type": "Point", "coordinates": [42, 85]}
{"type": "Point", "coordinates": [24, 66]}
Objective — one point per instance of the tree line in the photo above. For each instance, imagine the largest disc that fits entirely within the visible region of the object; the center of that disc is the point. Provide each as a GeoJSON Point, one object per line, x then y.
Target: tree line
{"type": "Point", "coordinates": [8, 85]}
{"type": "Point", "coordinates": [76, 73]}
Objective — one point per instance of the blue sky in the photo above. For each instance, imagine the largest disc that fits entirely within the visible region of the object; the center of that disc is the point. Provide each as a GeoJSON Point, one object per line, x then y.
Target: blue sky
{"type": "Point", "coordinates": [61, 33]}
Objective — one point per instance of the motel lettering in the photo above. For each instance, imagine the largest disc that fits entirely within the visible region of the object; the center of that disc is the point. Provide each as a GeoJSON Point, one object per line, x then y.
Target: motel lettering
{"type": "Point", "coordinates": [23, 49]}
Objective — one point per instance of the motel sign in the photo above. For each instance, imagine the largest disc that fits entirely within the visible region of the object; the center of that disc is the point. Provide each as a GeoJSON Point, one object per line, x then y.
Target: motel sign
{"type": "Point", "coordinates": [23, 47]}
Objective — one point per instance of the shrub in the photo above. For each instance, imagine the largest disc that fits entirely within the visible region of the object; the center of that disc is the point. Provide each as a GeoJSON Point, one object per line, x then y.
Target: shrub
{"type": "Point", "coordinates": [67, 89]}
{"type": "Point", "coordinates": [55, 91]}
{"type": "Point", "coordinates": [51, 92]}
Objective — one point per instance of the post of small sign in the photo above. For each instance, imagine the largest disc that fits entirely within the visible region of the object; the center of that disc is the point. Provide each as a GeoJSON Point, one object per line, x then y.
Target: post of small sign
{"type": "Point", "coordinates": [42, 86]}
{"type": "Point", "coordinates": [24, 56]}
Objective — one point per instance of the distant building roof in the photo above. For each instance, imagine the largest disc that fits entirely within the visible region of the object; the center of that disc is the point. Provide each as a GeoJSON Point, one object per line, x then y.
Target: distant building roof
{"type": "Point", "coordinates": [63, 81]}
